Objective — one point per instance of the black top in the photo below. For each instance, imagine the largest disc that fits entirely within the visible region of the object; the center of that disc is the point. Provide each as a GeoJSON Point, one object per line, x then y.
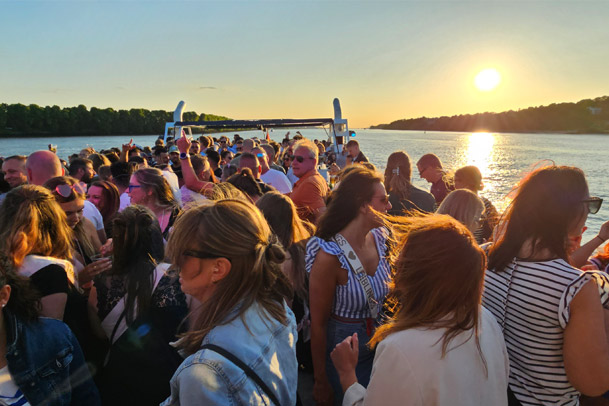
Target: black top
{"type": "Point", "coordinates": [50, 280]}
{"type": "Point", "coordinates": [417, 199]}
{"type": "Point", "coordinates": [360, 157]}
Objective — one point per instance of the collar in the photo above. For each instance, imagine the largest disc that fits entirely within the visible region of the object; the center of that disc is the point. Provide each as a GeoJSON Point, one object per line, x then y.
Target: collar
{"type": "Point", "coordinates": [307, 175]}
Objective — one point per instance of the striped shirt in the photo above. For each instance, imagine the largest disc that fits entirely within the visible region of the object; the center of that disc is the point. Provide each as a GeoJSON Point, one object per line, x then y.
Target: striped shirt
{"type": "Point", "coordinates": [531, 303]}
{"type": "Point", "coordinates": [350, 299]}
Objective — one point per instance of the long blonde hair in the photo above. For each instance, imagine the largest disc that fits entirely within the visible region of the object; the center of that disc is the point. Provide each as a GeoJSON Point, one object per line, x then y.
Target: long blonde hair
{"type": "Point", "coordinates": [463, 205]}
{"type": "Point", "coordinates": [438, 279]}
{"type": "Point", "coordinates": [31, 221]}
{"type": "Point", "coordinates": [235, 230]}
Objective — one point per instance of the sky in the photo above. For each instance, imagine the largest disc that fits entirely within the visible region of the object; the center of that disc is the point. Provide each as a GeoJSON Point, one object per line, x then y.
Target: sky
{"type": "Point", "coordinates": [384, 60]}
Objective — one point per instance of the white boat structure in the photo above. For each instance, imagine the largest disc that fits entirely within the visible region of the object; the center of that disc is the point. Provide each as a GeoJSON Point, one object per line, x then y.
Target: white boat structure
{"type": "Point", "coordinates": [338, 126]}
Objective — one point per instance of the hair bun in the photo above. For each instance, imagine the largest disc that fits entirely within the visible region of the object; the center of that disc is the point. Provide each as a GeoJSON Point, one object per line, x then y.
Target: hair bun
{"type": "Point", "coordinates": [274, 252]}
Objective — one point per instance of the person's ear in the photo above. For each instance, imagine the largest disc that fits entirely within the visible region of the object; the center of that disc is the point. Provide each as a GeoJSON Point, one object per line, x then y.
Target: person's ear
{"type": "Point", "coordinates": [222, 268]}
{"type": "Point", "coordinates": [5, 295]}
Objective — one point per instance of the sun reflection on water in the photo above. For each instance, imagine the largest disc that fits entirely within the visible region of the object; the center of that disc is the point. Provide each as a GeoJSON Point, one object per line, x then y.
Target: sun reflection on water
{"type": "Point", "coordinates": [479, 151]}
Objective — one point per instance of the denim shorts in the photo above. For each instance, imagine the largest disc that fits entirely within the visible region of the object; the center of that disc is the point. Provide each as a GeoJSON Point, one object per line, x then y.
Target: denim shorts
{"type": "Point", "coordinates": [337, 331]}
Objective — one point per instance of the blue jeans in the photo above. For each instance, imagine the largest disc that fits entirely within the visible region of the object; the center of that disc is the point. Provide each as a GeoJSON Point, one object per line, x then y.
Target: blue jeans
{"type": "Point", "coordinates": [336, 333]}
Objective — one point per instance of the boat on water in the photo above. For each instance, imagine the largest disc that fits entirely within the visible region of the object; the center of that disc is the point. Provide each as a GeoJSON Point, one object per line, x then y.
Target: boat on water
{"type": "Point", "coordinates": [337, 127]}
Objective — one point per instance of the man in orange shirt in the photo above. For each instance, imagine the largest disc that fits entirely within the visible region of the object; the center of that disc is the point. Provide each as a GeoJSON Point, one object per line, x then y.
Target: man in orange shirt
{"type": "Point", "coordinates": [310, 191]}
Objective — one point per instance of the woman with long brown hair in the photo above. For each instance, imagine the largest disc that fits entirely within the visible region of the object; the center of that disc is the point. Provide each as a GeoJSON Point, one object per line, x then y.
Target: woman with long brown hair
{"type": "Point", "coordinates": [293, 233]}
{"type": "Point", "coordinates": [148, 187]}
{"type": "Point", "coordinates": [551, 313]}
{"type": "Point", "coordinates": [403, 195]}
{"type": "Point", "coordinates": [241, 348]}
{"type": "Point", "coordinates": [441, 347]}
{"type": "Point", "coordinates": [344, 295]}
{"type": "Point", "coordinates": [104, 195]}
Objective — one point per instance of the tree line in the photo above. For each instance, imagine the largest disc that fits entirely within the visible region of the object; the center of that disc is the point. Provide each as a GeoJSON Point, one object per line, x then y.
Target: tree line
{"type": "Point", "coordinates": [589, 116]}
{"type": "Point", "coordinates": [20, 119]}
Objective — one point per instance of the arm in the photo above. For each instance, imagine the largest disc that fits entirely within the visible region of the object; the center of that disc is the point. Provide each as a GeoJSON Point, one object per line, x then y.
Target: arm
{"type": "Point", "coordinates": [125, 151]}
{"type": "Point", "coordinates": [322, 285]}
{"type": "Point", "coordinates": [580, 256]}
{"type": "Point", "coordinates": [200, 384]}
{"type": "Point", "coordinates": [191, 180]}
{"type": "Point", "coordinates": [585, 348]}
{"type": "Point", "coordinates": [53, 305]}
{"type": "Point", "coordinates": [92, 233]}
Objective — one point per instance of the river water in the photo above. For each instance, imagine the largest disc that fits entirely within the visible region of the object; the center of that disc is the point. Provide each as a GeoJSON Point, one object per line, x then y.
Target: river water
{"type": "Point", "coordinates": [502, 158]}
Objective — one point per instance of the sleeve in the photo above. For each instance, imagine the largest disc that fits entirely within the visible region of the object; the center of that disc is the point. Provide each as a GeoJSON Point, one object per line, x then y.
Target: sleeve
{"type": "Point", "coordinates": [200, 384]}
{"type": "Point", "coordinates": [49, 280]}
{"type": "Point", "coordinates": [311, 196]}
{"type": "Point", "coordinates": [602, 281]}
{"type": "Point", "coordinates": [392, 382]}
{"type": "Point", "coordinates": [84, 391]}
{"type": "Point", "coordinates": [329, 247]}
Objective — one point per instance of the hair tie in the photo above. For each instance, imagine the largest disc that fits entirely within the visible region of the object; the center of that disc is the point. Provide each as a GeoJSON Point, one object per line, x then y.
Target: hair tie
{"type": "Point", "coordinates": [396, 171]}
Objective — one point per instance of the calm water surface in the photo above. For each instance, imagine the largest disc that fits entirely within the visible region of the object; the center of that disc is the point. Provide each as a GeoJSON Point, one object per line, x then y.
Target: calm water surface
{"type": "Point", "coordinates": [502, 158]}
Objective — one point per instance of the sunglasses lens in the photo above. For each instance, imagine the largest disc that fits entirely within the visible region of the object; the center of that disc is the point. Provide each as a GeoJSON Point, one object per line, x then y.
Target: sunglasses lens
{"type": "Point", "coordinates": [299, 158]}
{"type": "Point", "coordinates": [594, 205]}
{"type": "Point", "coordinates": [64, 190]}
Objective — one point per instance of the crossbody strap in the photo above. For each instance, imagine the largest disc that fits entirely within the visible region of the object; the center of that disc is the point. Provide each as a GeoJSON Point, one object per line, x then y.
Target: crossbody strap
{"type": "Point", "coordinates": [360, 273]}
{"type": "Point", "coordinates": [248, 371]}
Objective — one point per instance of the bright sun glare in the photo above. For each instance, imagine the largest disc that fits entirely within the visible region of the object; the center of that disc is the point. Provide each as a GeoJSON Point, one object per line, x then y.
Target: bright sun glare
{"type": "Point", "coordinates": [487, 79]}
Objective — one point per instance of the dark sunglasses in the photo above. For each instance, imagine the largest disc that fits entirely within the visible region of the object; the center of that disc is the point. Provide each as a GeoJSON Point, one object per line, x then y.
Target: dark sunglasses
{"type": "Point", "coordinates": [131, 187]}
{"type": "Point", "coordinates": [301, 158]}
{"type": "Point", "coordinates": [594, 204]}
{"type": "Point", "coordinates": [290, 157]}
{"type": "Point", "coordinates": [66, 190]}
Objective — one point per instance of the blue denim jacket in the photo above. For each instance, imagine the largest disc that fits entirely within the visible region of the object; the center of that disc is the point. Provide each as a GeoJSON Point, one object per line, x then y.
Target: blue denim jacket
{"type": "Point", "coordinates": [265, 345]}
{"type": "Point", "coordinates": [47, 364]}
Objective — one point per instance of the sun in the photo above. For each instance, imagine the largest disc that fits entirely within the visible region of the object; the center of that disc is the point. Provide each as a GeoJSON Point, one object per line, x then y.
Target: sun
{"type": "Point", "coordinates": [487, 79]}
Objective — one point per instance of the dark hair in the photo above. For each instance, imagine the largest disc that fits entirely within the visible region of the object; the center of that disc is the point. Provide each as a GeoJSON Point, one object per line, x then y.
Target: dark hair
{"type": "Point", "coordinates": [159, 150]}
{"type": "Point", "coordinates": [111, 199]}
{"type": "Point", "coordinates": [354, 190]}
{"type": "Point", "coordinates": [24, 301]}
{"type": "Point", "coordinates": [547, 205]}
{"type": "Point", "coordinates": [213, 156]}
{"type": "Point", "coordinates": [224, 153]}
{"type": "Point", "coordinates": [430, 160]}
{"type": "Point", "coordinates": [98, 160]}
{"type": "Point", "coordinates": [78, 163]}
{"type": "Point", "coordinates": [121, 173]}
{"type": "Point", "coordinates": [138, 248]}
{"type": "Point", "coordinates": [246, 182]}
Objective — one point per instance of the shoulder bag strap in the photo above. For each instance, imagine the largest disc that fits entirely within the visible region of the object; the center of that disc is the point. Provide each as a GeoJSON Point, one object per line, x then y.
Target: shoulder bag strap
{"type": "Point", "coordinates": [360, 273]}
{"type": "Point", "coordinates": [248, 371]}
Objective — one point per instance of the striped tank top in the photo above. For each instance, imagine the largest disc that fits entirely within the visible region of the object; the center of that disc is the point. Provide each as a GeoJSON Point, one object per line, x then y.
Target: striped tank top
{"type": "Point", "coordinates": [530, 300]}
{"type": "Point", "coordinates": [350, 299]}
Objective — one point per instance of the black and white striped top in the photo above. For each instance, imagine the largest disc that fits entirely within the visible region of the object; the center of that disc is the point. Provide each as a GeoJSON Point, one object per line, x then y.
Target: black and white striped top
{"type": "Point", "coordinates": [531, 303]}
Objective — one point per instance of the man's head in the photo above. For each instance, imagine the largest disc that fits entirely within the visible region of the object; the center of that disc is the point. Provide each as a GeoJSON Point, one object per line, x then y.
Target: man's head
{"type": "Point", "coordinates": [121, 173]}
{"type": "Point", "coordinates": [249, 144]}
{"type": "Point", "coordinates": [160, 156]}
{"type": "Point", "coordinates": [239, 146]}
{"type": "Point", "coordinates": [353, 149]}
{"type": "Point", "coordinates": [271, 152]}
{"type": "Point", "coordinates": [42, 166]}
{"type": "Point", "coordinates": [174, 155]}
{"type": "Point", "coordinates": [262, 158]}
{"type": "Point", "coordinates": [249, 160]}
{"type": "Point", "coordinates": [214, 158]}
{"type": "Point", "coordinates": [430, 168]}
{"type": "Point", "coordinates": [14, 171]}
{"type": "Point", "coordinates": [225, 157]}
{"type": "Point", "coordinates": [200, 165]}
{"type": "Point", "coordinates": [195, 147]}
{"type": "Point", "coordinates": [305, 158]}
{"type": "Point", "coordinates": [82, 169]}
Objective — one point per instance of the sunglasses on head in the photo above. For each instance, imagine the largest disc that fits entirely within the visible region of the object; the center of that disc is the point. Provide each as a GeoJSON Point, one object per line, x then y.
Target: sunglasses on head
{"type": "Point", "coordinates": [594, 204]}
{"type": "Point", "coordinates": [201, 255]}
{"type": "Point", "coordinates": [66, 190]}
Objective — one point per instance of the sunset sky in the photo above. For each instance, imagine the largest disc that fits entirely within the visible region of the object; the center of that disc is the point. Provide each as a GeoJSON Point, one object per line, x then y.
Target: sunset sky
{"type": "Point", "coordinates": [385, 60]}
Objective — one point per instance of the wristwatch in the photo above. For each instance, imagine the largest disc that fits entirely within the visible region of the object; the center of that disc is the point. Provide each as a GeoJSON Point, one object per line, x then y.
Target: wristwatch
{"type": "Point", "coordinates": [184, 155]}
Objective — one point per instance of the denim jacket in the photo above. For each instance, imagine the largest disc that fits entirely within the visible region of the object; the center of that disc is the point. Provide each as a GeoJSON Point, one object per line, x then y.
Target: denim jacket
{"type": "Point", "coordinates": [265, 345]}
{"type": "Point", "coordinates": [47, 364]}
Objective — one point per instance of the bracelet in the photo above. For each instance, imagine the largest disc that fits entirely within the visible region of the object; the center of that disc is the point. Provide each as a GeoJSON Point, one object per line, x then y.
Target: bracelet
{"type": "Point", "coordinates": [599, 237]}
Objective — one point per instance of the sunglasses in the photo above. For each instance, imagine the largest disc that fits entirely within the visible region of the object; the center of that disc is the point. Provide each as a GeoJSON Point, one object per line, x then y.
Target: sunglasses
{"type": "Point", "coordinates": [594, 204]}
{"type": "Point", "coordinates": [290, 157]}
{"type": "Point", "coordinates": [66, 190]}
{"type": "Point", "coordinates": [300, 158]}
{"type": "Point", "coordinates": [131, 187]}
{"type": "Point", "coordinates": [261, 155]}
{"type": "Point", "coordinates": [201, 255]}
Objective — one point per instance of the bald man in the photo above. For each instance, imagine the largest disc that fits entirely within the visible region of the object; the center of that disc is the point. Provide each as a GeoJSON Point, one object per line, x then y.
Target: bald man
{"type": "Point", "coordinates": [42, 166]}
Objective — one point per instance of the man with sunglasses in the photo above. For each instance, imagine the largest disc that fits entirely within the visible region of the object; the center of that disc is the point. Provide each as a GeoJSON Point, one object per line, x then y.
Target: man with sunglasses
{"type": "Point", "coordinates": [271, 176]}
{"type": "Point", "coordinates": [310, 191]}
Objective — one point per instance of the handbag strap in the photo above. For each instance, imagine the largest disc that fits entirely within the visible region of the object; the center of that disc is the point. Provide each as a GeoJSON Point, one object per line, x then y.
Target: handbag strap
{"type": "Point", "coordinates": [360, 273]}
{"type": "Point", "coordinates": [248, 371]}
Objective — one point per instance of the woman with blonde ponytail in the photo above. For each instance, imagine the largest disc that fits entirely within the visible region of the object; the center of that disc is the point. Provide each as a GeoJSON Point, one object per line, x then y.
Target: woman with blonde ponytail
{"type": "Point", "coordinates": [242, 346]}
{"type": "Point", "coordinates": [403, 195]}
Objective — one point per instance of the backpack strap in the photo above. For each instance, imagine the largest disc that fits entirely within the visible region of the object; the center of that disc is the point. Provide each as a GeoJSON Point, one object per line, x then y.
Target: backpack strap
{"type": "Point", "coordinates": [248, 371]}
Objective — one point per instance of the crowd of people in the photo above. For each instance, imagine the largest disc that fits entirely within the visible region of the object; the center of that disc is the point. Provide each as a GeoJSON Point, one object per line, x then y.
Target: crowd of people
{"type": "Point", "coordinates": [217, 271]}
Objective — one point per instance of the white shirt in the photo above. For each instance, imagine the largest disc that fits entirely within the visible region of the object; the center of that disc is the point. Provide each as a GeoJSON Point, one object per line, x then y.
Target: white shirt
{"type": "Point", "coordinates": [278, 180]}
{"type": "Point", "coordinates": [10, 394]}
{"type": "Point", "coordinates": [409, 369]}
{"type": "Point", "coordinates": [125, 201]}
{"type": "Point", "coordinates": [92, 213]}
{"type": "Point", "coordinates": [174, 185]}
{"type": "Point", "coordinates": [190, 198]}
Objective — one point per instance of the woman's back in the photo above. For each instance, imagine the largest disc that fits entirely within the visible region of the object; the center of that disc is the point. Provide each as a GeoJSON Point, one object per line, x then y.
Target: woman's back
{"type": "Point", "coordinates": [409, 368]}
{"type": "Point", "coordinates": [263, 343]}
